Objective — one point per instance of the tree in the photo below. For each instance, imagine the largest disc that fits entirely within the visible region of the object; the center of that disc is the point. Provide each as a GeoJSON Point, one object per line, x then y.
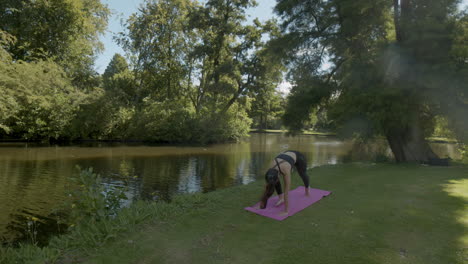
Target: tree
{"type": "Point", "coordinates": [201, 62]}
{"type": "Point", "coordinates": [66, 31]}
{"type": "Point", "coordinates": [119, 82]}
{"type": "Point", "coordinates": [231, 58]}
{"type": "Point", "coordinates": [38, 101]}
{"type": "Point", "coordinates": [8, 105]}
{"type": "Point", "coordinates": [157, 39]}
{"type": "Point", "coordinates": [390, 63]}
{"type": "Point", "coordinates": [118, 64]}
{"type": "Point", "coordinates": [109, 111]}
{"type": "Point", "coordinates": [267, 109]}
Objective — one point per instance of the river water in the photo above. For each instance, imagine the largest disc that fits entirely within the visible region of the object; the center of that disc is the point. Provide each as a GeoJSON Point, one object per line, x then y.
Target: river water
{"type": "Point", "coordinates": [33, 178]}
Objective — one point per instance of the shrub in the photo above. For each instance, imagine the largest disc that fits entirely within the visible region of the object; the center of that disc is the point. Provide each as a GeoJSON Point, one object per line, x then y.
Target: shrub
{"type": "Point", "coordinates": [40, 99]}
{"type": "Point", "coordinates": [464, 153]}
{"type": "Point", "coordinates": [164, 122]}
{"type": "Point", "coordinates": [90, 200]}
{"type": "Point", "coordinates": [101, 117]}
{"type": "Point", "coordinates": [232, 125]}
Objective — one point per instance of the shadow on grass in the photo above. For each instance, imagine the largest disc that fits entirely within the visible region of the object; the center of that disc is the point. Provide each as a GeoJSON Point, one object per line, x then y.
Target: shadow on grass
{"type": "Point", "coordinates": [458, 189]}
{"type": "Point", "coordinates": [404, 214]}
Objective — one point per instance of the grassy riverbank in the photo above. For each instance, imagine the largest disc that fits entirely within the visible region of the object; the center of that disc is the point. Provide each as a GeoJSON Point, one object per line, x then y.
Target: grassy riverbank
{"type": "Point", "coordinates": [283, 131]}
{"type": "Point", "coordinates": [376, 214]}
{"type": "Point", "coordinates": [433, 139]}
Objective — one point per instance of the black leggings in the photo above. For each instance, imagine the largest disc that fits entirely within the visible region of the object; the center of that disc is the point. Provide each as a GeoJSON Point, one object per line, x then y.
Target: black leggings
{"type": "Point", "coordinates": [301, 166]}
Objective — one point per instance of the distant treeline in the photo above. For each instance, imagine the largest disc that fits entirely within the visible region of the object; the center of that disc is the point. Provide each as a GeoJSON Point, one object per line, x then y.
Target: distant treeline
{"type": "Point", "coordinates": [195, 72]}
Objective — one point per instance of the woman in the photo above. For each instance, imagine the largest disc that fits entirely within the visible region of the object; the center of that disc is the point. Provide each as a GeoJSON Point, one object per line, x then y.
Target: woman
{"type": "Point", "coordinates": [282, 165]}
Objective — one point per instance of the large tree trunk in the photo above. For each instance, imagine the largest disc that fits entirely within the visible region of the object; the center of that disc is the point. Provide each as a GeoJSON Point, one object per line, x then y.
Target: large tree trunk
{"type": "Point", "coordinates": [396, 20]}
{"type": "Point", "coordinates": [401, 17]}
{"type": "Point", "coordinates": [409, 145]}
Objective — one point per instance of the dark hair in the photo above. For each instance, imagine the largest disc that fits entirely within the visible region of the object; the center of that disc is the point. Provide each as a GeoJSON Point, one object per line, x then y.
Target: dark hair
{"type": "Point", "coordinates": [271, 177]}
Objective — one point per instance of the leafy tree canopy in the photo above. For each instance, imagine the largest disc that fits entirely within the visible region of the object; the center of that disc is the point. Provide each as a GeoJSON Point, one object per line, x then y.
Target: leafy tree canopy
{"type": "Point", "coordinates": [65, 30]}
{"type": "Point", "coordinates": [394, 66]}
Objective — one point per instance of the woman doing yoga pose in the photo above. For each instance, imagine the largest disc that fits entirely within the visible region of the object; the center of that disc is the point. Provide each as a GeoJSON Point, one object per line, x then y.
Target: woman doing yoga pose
{"type": "Point", "coordinates": [282, 165]}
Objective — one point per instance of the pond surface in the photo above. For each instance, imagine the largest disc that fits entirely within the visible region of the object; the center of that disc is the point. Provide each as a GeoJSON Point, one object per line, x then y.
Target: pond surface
{"type": "Point", "coordinates": [33, 178]}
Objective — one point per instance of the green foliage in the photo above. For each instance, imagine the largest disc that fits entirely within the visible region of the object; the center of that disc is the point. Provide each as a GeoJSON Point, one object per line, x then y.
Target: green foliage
{"type": "Point", "coordinates": [65, 30]}
{"type": "Point", "coordinates": [90, 117]}
{"type": "Point", "coordinates": [121, 88]}
{"type": "Point", "coordinates": [165, 122]}
{"type": "Point", "coordinates": [232, 125]}
{"type": "Point", "coordinates": [27, 253]}
{"type": "Point", "coordinates": [309, 92]}
{"type": "Point", "coordinates": [94, 216]}
{"type": "Point", "coordinates": [158, 40]}
{"type": "Point", "coordinates": [43, 43]}
{"type": "Point", "coordinates": [6, 41]}
{"type": "Point", "coordinates": [203, 60]}
{"type": "Point", "coordinates": [392, 67]}
{"type": "Point", "coordinates": [232, 58]}
{"type": "Point", "coordinates": [464, 152]}
{"type": "Point", "coordinates": [40, 100]}
{"type": "Point", "coordinates": [267, 110]}
{"type": "Point", "coordinates": [171, 122]}
{"type": "Point", "coordinates": [103, 115]}
{"type": "Point", "coordinates": [90, 200]}
{"type": "Point", "coordinates": [119, 82]}
{"type": "Point", "coordinates": [442, 127]}
{"type": "Point", "coordinates": [118, 64]}
{"type": "Point", "coordinates": [90, 234]}
{"type": "Point", "coordinates": [194, 72]}
{"type": "Point", "coordinates": [8, 105]}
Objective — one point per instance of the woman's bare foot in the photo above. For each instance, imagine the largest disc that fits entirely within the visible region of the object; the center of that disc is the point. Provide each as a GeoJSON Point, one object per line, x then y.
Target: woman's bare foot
{"type": "Point", "coordinates": [280, 201]}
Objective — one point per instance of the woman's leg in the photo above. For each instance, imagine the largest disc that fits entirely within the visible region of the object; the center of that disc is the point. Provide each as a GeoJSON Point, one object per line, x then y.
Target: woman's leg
{"type": "Point", "coordinates": [301, 166]}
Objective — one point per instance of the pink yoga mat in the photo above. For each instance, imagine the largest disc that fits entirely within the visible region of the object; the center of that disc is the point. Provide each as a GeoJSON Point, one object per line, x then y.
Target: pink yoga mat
{"type": "Point", "coordinates": [297, 202]}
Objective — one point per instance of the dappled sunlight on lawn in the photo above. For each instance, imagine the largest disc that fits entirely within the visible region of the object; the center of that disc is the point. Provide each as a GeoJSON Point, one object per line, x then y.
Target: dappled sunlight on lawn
{"type": "Point", "coordinates": [459, 189]}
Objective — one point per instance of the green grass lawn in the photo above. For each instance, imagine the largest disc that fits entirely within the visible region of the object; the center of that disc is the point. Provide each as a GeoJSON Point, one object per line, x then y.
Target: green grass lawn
{"type": "Point", "coordinates": [376, 214]}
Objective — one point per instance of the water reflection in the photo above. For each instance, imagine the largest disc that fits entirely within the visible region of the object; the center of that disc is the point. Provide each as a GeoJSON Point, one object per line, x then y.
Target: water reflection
{"type": "Point", "coordinates": [33, 178]}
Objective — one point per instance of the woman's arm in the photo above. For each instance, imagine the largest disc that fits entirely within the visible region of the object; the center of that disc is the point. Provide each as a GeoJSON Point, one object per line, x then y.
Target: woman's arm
{"type": "Point", "coordinates": [287, 184]}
